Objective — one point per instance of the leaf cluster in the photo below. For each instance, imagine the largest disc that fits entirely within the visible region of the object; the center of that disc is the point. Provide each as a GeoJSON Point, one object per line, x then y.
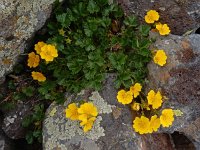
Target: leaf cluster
{"type": "Point", "coordinates": [102, 40]}
{"type": "Point", "coordinates": [34, 121]}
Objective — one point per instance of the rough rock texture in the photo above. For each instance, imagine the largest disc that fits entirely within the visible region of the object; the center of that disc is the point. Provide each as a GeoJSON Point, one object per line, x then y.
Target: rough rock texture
{"type": "Point", "coordinates": [5, 143]}
{"type": "Point", "coordinates": [157, 141]}
{"type": "Point", "coordinates": [179, 80]}
{"type": "Point", "coordinates": [12, 123]}
{"type": "Point", "coordinates": [112, 129]}
{"type": "Point", "coordinates": [19, 20]}
{"type": "Point", "coordinates": [180, 15]}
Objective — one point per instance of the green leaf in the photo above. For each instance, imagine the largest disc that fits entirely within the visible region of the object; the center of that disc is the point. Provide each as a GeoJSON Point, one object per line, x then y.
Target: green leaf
{"type": "Point", "coordinates": [127, 83]}
{"type": "Point", "coordinates": [29, 137]}
{"type": "Point", "coordinates": [7, 106]}
{"type": "Point", "coordinates": [37, 133]}
{"type": "Point", "coordinates": [118, 83]}
{"type": "Point", "coordinates": [92, 7]}
{"type": "Point", "coordinates": [131, 21]}
{"type": "Point", "coordinates": [87, 31]}
{"type": "Point", "coordinates": [28, 91]}
{"type": "Point", "coordinates": [46, 87]}
{"type": "Point", "coordinates": [27, 121]}
{"type": "Point", "coordinates": [18, 96]}
{"type": "Point", "coordinates": [79, 10]}
{"type": "Point", "coordinates": [144, 29]}
{"type": "Point", "coordinates": [118, 60]}
{"type": "Point", "coordinates": [74, 66]}
{"type": "Point", "coordinates": [64, 20]}
{"type": "Point", "coordinates": [11, 85]}
{"type": "Point", "coordinates": [116, 10]}
{"type": "Point", "coordinates": [102, 2]}
{"type": "Point", "coordinates": [144, 52]}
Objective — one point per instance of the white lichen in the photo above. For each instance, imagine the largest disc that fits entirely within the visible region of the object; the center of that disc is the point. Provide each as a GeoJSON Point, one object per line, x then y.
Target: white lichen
{"type": "Point", "coordinates": [20, 19]}
{"type": "Point", "coordinates": [59, 131]}
{"type": "Point", "coordinates": [100, 103]}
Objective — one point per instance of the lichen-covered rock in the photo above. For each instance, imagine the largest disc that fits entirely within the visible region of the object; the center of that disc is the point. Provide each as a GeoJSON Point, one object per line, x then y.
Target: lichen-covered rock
{"type": "Point", "coordinates": [179, 80]}
{"type": "Point", "coordinates": [112, 129]}
{"type": "Point", "coordinates": [108, 129]}
{"type": "Point", "coordinates": [12, 123]}
{"type": "Point", "coordinates": [19, 20]}
{"type": "Point", "coordinates": [180, 15]}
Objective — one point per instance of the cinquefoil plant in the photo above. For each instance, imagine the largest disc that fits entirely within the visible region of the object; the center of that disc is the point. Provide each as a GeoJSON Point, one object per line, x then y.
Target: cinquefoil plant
{"type": "Point", "coordinates": [94, 38]}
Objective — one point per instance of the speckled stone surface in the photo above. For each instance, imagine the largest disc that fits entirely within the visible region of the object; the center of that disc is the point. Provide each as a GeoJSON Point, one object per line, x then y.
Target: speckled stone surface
{"type": "Point", "coordinates": [179, 80]}
{"type": "Point", "coordinates": [12, 123]}
{"type": "Point", "coordinates": [180, 15]}
{"type": "Point", "coordinates": [112, 130]}
{"type": "Point", "coordinates": [5, 143]}
{"type": "Point", "coordinates": [19, 20]}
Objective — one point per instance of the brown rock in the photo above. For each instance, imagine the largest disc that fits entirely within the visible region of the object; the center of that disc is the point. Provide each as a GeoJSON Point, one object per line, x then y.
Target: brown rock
{"type": "Point", "coordinates": [180, 15]}
{"type": "Point", "coordinates": [179, 80]}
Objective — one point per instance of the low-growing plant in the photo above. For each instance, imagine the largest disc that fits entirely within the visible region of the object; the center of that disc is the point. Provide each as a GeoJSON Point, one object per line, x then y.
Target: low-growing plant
{"type": "Point", "coordinates": [93, 38]}
{"type": "Point", "coordinates": [34, 123]}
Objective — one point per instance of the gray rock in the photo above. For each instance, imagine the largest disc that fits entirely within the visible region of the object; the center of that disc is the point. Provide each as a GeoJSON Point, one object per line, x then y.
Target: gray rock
{"type": "Point", "coordinates": [112, 129]}
{"type": "Point", "coordinates": [19, 20]}
{"type": "Point", "coordinates": [179, 80]}
{"type": "Point", "coordinates": [5, 143]}
{"type": "Point", "coordinates": [180, 15]}
{"type": "Point", "coordinates": [12, 123]}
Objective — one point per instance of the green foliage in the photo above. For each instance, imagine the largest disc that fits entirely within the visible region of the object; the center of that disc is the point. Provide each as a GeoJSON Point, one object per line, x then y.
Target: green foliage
{"type": "Point", "coordinates": [11, 85]}
{"type": "Point", "coordinates": [28, 91]}
{"type": "Point", "coordinates": [34, 121]}
{"type": "Point", "coordinates": [102, 40]}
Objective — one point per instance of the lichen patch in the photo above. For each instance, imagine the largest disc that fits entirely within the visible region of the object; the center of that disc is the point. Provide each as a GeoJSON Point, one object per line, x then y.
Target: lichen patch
{"type": "Point", "coordinates": [60, 132]}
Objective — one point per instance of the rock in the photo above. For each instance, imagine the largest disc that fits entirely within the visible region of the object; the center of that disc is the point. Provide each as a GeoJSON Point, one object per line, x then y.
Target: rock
{"type": "Point", "coordinates": [112, 129]}
{"type": "Point", "coordinates": [5, 143]}
{"type": "Point", "coordinates": [109, 128]}
{"type": "Point", "coordinates": [19, 20]}
{"type": "Point", "coordinates": [157, 141]}
{"type": "Point", "coordinates": [179, 80]}
{"type": "Point", "coordinates": [180, 15]}
{"type": "Point", "coordinates": [12, 123]}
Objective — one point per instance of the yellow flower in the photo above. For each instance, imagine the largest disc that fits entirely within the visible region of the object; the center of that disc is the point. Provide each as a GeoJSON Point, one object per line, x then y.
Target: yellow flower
{"type": "Point", "coordinates": [142, 125]}
{"type": "Point", "coordinates": [135, 106]}
{"type": "Point", "coordinates": [167, 117]}
{"type": "Point", "coordinates": [33, 60]}
{"type": "Point", "coordinates": [38, 76]}
{"type": "Point", "coordinates": [151, 16]}
{"type": "Point", "coordinates": [87, 110]}
{"type": "Point", "coordinates": [68, 40]}
{"type": "Point", "coordinates": [72, 112]}
{"type": "Point", "coordinates": [163, 29]}
{"type": "Point", "coordinates": [124, 97]}
{"type": "Point", "coordinates": [160, 57]}
{"type": "Point", "coordinates": [38, 47]}
{"type": "Point", "coordinates": [136, 89]}
{"type": "Point", "coordinates": [61, 32]}
{"type": "Point", "coordinates": [154, 99]}
{"type": "Point", "coordinates": [88, 124]}
{"type": "Point", "coordinates": [48, 52]}
{"type": "Point", "coordinates": [154, 123]}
